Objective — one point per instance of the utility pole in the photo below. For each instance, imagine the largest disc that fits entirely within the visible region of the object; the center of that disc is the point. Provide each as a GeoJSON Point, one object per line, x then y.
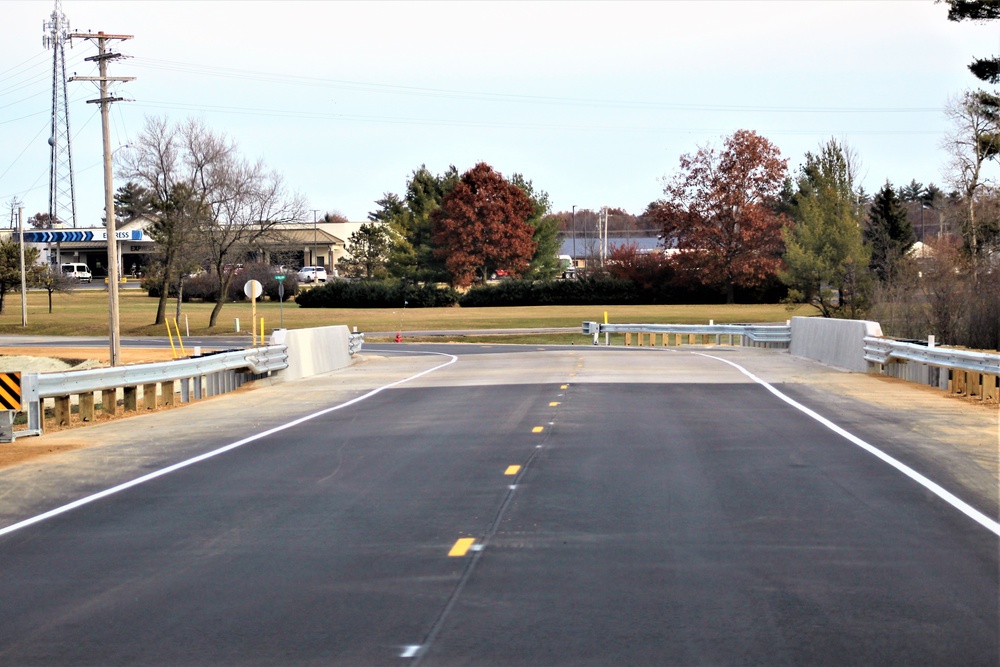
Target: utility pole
{"type": "Point", "coordinates": [24, 279]}
{"type": "Point", "coordinates": [602, 234]}
{"type": "Point", "coordinates": [102, 58]}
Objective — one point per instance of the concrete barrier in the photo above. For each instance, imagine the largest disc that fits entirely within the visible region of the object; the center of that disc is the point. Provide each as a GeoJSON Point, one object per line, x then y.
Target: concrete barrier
{"type": "Point", "coordinates": [313, 351]}
{"type": "Point", "coordinates": [839, 343]}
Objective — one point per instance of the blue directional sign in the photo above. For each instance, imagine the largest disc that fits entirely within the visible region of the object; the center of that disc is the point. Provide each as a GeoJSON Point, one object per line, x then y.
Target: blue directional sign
{"type": "Point", "coordinates": [66, 236]}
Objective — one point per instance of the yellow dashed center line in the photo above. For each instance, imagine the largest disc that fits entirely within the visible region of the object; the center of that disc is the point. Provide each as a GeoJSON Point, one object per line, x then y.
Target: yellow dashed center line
{"type": "Point", "coordinates": [462, 547]}
{"type": "Point", "coordinates": [565, 386]}
{"type": "Point", "coordinates": [553, 404]}
{"type": "Point", "coordinates": [512, 470]}
{"type": "Point", "coordinates": [538, 429]}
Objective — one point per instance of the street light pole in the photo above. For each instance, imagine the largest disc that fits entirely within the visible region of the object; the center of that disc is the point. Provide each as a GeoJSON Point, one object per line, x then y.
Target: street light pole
{"type": "Point", "coordinates": [312, 253]}
{"type": "Point", "coordinates": [574, 235]}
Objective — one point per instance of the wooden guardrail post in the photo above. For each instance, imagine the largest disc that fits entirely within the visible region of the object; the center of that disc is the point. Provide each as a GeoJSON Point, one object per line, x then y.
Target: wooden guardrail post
{"type": "Point", "coordinates": [990, 389]}
{"type": "Point", "coordinates": [87, 406]}
{"type": "Point", "coordinates": [62, 410]}
{"type": "Point", "coordinates": [167, 393]}
{"type": "Point", "coordinates": [109, 401]}
{"type": "Point", "coordinates": [149, 396]}
{"type": "Point", "coordinates": [131, 400]}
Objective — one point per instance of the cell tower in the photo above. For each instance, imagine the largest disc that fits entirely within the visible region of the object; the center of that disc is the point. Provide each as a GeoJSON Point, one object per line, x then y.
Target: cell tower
{"type": "Point", "coordinates": [62, 191]}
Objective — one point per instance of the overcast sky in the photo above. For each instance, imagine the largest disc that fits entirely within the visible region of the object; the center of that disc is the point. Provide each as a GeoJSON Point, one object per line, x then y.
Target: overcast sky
{"type": "Point", "coordinates": [592, 101]}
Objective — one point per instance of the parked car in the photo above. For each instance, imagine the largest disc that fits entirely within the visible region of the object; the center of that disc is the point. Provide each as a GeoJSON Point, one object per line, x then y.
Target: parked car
{"type": "Point", "coordinates": [80, 272]}
{"type": "Point", "coordinates": [312, 274]}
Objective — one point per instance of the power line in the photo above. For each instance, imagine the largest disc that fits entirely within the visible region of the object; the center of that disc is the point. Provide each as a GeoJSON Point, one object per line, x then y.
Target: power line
{"type": "Point", "coordinates": [463, 123]}
{"type": "Point", "coordinates": [251, 75]}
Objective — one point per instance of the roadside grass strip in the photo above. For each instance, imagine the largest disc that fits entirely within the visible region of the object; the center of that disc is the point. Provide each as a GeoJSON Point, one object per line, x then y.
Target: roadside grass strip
{"type": "Point", "coordinates": [221, 450]}
{"type": "Point", "coordinates": [931, 486]}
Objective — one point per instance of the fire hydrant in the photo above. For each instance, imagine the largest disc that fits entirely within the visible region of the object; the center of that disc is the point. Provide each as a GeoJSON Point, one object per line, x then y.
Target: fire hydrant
{"type": "Point", "coordinates": [399, 337]}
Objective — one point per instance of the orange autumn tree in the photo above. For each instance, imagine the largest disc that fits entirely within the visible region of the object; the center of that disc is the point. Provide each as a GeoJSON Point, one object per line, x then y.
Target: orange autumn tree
{"type": "Point", "coordinates": [720, 213]}
{"type": "Point", "coordinates": [482, 227]}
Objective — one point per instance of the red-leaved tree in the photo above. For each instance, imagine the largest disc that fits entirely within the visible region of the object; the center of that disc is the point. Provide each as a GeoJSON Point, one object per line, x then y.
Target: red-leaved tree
{"type": "Point", "coordinates": [719, 212]}
{"type": "Point", "coordinates": [481, 227]}
{"type": "Point", "coordinates": [645, 269]}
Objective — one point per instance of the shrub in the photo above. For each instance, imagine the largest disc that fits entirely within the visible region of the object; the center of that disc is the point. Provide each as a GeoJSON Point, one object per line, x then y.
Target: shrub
{"type": "Point", "coordinates": [264, 274]}
{"type": "Point", "coordinates": [376, 294]}
{"type": "Point", "coordinates": [588, 291]}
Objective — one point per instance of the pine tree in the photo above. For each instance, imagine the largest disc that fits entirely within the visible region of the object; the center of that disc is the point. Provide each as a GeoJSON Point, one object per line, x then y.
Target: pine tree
{"type": "Point", "coordinates": [826, 262]}
{"type": "Point", "coordinates": [889, 234]}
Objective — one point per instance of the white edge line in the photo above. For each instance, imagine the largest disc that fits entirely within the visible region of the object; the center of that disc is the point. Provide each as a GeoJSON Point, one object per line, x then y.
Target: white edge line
{"type": "Point", "coordinates": [931, 486]}
{"type": "Point", "coordinates": [215, 452]}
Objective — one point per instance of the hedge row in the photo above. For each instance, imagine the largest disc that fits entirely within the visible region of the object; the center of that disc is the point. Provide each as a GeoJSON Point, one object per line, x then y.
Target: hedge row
{"type": "Point", "coordinates": [605, 290]}
{"type": "Point", "coordinates": [376, 294]}
{"type": "Point", "coordinates": [595, 290]}
{"type": "Point", "coordinates": [582, 292]}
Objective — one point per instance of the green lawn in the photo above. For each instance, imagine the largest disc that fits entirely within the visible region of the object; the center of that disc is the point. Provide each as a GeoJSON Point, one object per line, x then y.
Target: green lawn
{"type": "Point", "coordinates": [85, 313]}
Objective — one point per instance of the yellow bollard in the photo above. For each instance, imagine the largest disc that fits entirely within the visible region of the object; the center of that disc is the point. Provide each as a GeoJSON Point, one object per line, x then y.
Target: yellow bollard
{"type": "Point", "coordinates": [170, 337]}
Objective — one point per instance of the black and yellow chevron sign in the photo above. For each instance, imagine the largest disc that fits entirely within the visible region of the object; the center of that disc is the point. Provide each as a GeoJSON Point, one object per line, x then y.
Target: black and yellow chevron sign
{"type": "Point", "coordinates": [10, 391]}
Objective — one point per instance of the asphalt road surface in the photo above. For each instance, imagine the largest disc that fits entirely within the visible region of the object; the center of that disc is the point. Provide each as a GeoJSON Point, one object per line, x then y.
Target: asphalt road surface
{"type": "Point", "coordinates": [510, 506]}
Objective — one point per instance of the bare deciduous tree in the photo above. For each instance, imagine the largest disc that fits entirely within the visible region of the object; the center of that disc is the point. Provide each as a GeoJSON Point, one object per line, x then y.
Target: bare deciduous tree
{"type": "Point", "coordinates": [211, 203]}
{"type": "Point", "coordinates": [249, 203]}
{"type": "Point", "coordinates": [972, 141]}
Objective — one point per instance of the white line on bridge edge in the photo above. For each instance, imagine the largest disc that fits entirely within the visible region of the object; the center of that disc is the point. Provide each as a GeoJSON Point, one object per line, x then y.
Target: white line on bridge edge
{"type": "Point", "coordinates": [933, 487]}
{"type": "Point", "coordinates": [201, 457]}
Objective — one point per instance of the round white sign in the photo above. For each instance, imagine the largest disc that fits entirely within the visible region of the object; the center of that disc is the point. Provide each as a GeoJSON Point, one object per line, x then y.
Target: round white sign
{"type": "Point", "coordinates": [253, 289]}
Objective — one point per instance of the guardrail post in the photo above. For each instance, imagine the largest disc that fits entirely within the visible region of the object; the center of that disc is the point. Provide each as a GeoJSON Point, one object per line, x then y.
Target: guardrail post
{"type": "Point", "coordinates": [87, 406]}
{"type": "Point", "coordinates": [7, 425]}
{"type": "Point", "coordinates": [628, 339]}
{"type": "Point", "coordinates": [990, 387]}
{"type": "Point", "coordinates": [62, 410]}
{"type": "Point", "coordinates": [167, 390]}
{"type": "Point", "coordinates": [109, 401]}
{"type": "Point", "coordinates": [198, 379]}
{"type": "Point", "coordinates": [149, 396]}
{"type": "Point", "coordinates": [185, 390]}
{"type": "Point", "coordinates": [131, 400]}
{"type": "Point", "coordinates": [31, 403]}
{"type": "Point", "coordinates": [976, 385]}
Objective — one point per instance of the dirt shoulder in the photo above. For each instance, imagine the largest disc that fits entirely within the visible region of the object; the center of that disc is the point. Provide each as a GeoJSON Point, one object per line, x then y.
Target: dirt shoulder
{"type": "Point", "coordinates": [49, 360]}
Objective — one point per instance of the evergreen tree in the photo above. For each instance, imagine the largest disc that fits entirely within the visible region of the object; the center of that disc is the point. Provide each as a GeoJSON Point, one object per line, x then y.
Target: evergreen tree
{"type": "Point", "coordinates": [889, 234]}
{"type": "Point", "coordinates": [131, 201]}
{"type": "Point", "coordinates": [826, 262]}
{"type": "Point", "coordinates": [409, 219]}
{"type": "Point", "coordinates": [10, 266]}
{"type": "Point", "coordinates": [368, 248]}
{"type": "Point", "coordinates": [984, 69]}
{"type": "Point", "coordinates": [912, 192]}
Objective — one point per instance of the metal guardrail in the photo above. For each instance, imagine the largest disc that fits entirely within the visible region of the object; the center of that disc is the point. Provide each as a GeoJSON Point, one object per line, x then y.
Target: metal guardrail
{"type": "Point", "coordinates": [757, 333]}
{"type": "Point", "coordinates": [257, 360]}
{"type": "Point", "coordinates": [885, 350]}
{"type": "Point", "coordinates": [354, 343]}
{"type": "Point", "coordinates": [218, 370]}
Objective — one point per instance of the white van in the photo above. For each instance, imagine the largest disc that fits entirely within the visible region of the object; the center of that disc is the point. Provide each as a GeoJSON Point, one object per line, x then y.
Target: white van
{"type": "Point", "coordinates": [80, 272]}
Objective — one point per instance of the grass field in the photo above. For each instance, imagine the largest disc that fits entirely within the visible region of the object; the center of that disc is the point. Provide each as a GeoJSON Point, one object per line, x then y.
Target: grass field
{"type": "Point", "coordinates": [85, 313]}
